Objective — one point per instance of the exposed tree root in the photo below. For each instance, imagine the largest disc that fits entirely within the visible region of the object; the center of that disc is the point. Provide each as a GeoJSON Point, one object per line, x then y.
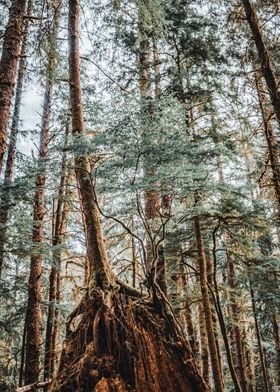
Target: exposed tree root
{"type": "Point", "coordinates": [118, 344]}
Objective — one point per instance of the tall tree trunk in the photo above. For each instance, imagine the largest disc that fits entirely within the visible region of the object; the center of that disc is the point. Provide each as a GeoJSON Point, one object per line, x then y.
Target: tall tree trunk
{"type": "Point", "coordinates": [222, 323]}
{"type": "Point", "coordinates": [259, 340]}
{"type": "Point", "coordinates": [235, 329]}
{"type": "Point", "coordinates": [117, 344]}
{"type": "Point", "coordinates": [151, 195]}
{"type": "Point", "coordinates": [100, 271]}
{"type": "Point", "coordinates": [204, 352]}
{"type": "Point", "coordinates": [276, 336]}
{"type": "Point", "coordinates": [9, 169]}
{"type": "Point", "coordinates": [188, 315]}
{"type": "Point", "coordinates": [210, 273]}
{"type": "Point", "coordinates": [271, 139]}
{"type": "Point", "coordinates": [215, 363]}
{"type": "Point", "coordinates": [57, 238]}
{"type": "Point", "coordinates": [8, 68]}
{"type": "Point", "coordinates": [264, 58]}
{"type": "Point", "coordinates": [33, 311]}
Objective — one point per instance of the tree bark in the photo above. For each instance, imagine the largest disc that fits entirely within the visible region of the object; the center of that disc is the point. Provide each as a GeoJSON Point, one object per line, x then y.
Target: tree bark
{"type": "Point", "coordinates": [264, 58]}
{"type": "Point", "coordinates": [152, 197]}
{"type": "Point", "coordinates": [235, 329]}
{"type": "Point", "coordinates": [271, 139]}
{"type": "Point", "coordinates": [8, 68]}
{"type": "Point", "coordinates": [59, 218]}
{"type": "Point", "coordinates": [33, 311]}
{"type": "Point", "coordinates": [215, 363]}
{"type": "Point", "coordinates": [9, 169]}
{"type": "Point", "coordinates": [210, 274]}
{"type": "Point", "coordinates": [204, 353]}
{"type": "Point", "coordinates": [259, 340]}
{"type": "Point", "coordinates": [100, 272]}
{"type": "Point", "coordinates": [276, 336]}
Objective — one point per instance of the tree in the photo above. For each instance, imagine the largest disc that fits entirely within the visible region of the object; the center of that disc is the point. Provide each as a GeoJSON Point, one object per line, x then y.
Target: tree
{"type": "Point", "coordinates": [32, 336]}
{"type": "Point", "coordinates": [8, 67]}
{"type": "Point", "coordinates": [102, 307]}
{"type": "Point", "coordinates": [9, 169]}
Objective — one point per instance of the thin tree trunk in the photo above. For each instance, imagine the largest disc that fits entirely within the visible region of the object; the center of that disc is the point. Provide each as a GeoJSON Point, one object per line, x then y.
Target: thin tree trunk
{"type": "Point", "coordinates": [203, 343]}
{"type": "Point", "coordinates": [215, 363]}
{"type": "Point", "coordinates": [33, 311]}
{"type": "Point", "coordinates": [22, 356]}
{"type": "Point", "coordinates": [275, 329]}
{"type": "Point", "coordinates": [134, 259]}
{"type": "Point", "coordinates": [9, 170]}
{"type": "Point", "coordinates": [152, 195]}
{"type": "Point", "coordinates": [235, 329]}
{"type": "Point", "coordinates": [209, 268]}
{"type": "Point", "coordinates": [188, 316]}
{"type": "Point", "coordinates": [250, 366]}
{"type": "Point", "coordinates": [259, 340]}
{"type": "Point", "coordinates": [100, 272]}
{"type": "Point", "coordinates": [58, 224]}
{"type": "Point", "coordinates": [218, 306]}
{"type": "Point", "coordinates": [264, 58]}
{"type": "Point", "coordinates": [272, 144]}
{"type": "Point", "coordinates": [8, 68]}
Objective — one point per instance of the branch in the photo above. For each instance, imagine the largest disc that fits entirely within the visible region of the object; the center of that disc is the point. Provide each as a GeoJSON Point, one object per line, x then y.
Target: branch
{"type": "Point", "coordinates": [31, 387]}
{"type": "Point", "coordinates": [106, 74]}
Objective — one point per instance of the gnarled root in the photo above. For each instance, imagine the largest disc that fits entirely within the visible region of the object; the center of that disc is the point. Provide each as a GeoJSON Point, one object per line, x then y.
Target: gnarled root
{"type": "Point", "coordinates": [119, 344]}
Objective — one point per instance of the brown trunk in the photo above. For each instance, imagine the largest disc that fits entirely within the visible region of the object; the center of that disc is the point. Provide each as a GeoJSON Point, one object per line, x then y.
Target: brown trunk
{"type": "Point", "coordinates": [235, 329]}
{"type": "Point", "coordinates": [272, 144]}
{"type": "Point", "coordinates": [100, 272]}
{"type": "Point", "coordinates": [33, 311]}
{"type": "Point", "coordinates": [209, 268]}
{"type": "Point", "coordinates": [57, 237]}
{"type": "Point", "coordinates": [264, 58]}
{"type": "Point", "coordinates": [215, 363]}
{"type": "Point", "coordinates": [8, 68]}
{"type": "Point", "coordinates": [116, 343]}
{"type": "Point", "coordinates": [134, 260]}
{"type": "Point", "coordinates": [204, 353]}
{"type": "Point", "coordinates": [9, 170]}
{"type": "Point", "coordinates": [259, 340]}
{"type": "Point", "coordinates": [188, 315]}
{"type": "Point", "coordinates": [250, 366]}
{"type": "Point", "coordinates": [152, 195]}
{"type": "Point", "coordinates": [216, 297]}
{"type": "Point", "coordinates": [275, 328]}
{"type": "Point", "coordinates": [22, 356]}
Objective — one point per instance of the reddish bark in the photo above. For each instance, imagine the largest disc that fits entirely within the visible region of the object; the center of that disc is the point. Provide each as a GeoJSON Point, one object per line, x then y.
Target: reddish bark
{"type": "Point", "coordinates": [9, 170]}
{"type": "Point", "coordinates": [215, 363]}
{"type": "Point", "coordinates": [264, 58]}
{"type": "Point", "coordinates": [271, 139]}
{"type": "Point", "coordinates": [235, 329]}
{"type": "Point", "coordinates": [8, 68]}
{"type": "Point", "coordinates": [59, 220]}
{"type": "Point", "coordinates": [33, 311]}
